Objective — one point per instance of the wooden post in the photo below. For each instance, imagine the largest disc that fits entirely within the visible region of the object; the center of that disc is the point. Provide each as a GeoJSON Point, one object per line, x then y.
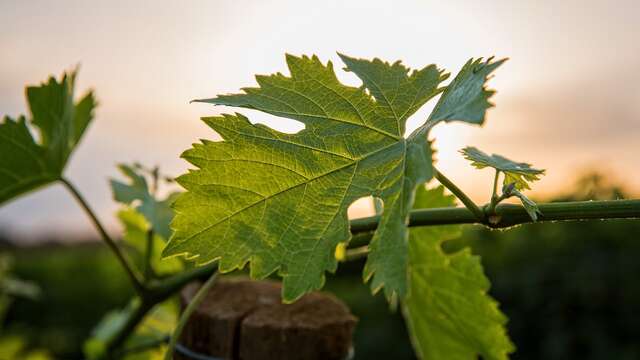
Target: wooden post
{"type": "Point", "coordinates": [244, 319]}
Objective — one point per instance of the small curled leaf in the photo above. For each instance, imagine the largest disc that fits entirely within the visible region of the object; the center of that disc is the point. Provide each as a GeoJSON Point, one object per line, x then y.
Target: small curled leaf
{"type": "Point", "coordinates": [528, 204]}
{"type": "Point", "coordinates": [519, 173]}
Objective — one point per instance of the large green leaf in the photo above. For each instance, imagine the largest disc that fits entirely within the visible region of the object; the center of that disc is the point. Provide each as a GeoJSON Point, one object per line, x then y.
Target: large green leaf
{"type": "Point", "coordinates": [280, 200]}
{"type": "Point", "coordinates": [26, 164]}
{"type": "Point", "coordinates": [448, 311]}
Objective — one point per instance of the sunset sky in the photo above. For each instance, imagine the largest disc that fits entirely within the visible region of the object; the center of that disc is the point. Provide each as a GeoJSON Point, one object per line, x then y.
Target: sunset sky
{"type": "Point", "coordinates": [568, 99]}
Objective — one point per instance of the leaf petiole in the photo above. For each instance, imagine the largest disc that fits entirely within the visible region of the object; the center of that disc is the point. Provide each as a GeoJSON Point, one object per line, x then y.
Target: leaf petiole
{"type": "Point", "coordinates": [131, 273]}
{"type": "Point", "coordinates": [148, 254]}
{"type": "Point", "coordinates": [495, 199]}
{"type": "Point", "coordinates": [494, 194]}
{"type": "Point", "coordinates": [356, 253]}
{"type": "Point", "coordinates": [186, 314]}
{"type": "Point", "coordinates": [479, 214]}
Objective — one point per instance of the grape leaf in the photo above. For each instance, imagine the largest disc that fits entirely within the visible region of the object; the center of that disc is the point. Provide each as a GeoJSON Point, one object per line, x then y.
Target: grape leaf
{"type": "Point", "coordinates": [95, 346]}
{"type": "Point", "coordinates": [448, 311]}
{"type": "Point", "coordinates": [144, 211]}
{"type": "Point", "coordinates": [467, 98]}
{"type": "Point", "coordinates": [279, 201]}
{"type": "Point", "coordinates": [528, 204]}
{"type": "Point", "coordinates": [157, 212]}
{"type": "Point", "coordinates": [519, 173]}
{"type": "Point", "coordinates": [136, 228]}
{"type": "Point", "coordinates": [26, 164]}
{"type": "Point", "coordinates": [157, 325]}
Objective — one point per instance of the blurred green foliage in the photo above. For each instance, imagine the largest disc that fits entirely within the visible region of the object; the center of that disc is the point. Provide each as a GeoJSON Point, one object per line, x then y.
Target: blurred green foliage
{"type": "Point", "coordinates": [79, 284]}
{"type": "Point", "coordinates": [13, 346]}
{"type": "Point", "coordinates": [153, 330]}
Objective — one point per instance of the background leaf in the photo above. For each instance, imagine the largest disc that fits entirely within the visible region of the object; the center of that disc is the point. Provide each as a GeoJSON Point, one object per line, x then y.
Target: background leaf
{"type": "Point", "coordinates": [157, 212]}
{"type": "Point", "coordinates": [528, 204]}
{"type": "Point", "coordinates": [26, 164]}
{"type": "Point", "coordinates": [143, 212]}
{"type": "Point", "coordinates": [136, 228]}
{"type": "Point", "coordinates": [156, 326]}
{"type": "Point", "coordinates": [14, 346]}
{"type": "Point", "coordinates": [448, 311]}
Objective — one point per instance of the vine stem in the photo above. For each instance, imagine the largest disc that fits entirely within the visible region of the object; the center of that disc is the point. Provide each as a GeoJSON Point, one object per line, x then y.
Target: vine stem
{"type": "Point", "coordinates": [146, 345]}
{"type": "Point", "coordinates": [455, 190]}
{"type": "Point", "coordinates": [155, 294]}
{"type": "Point", "coordinates": [356, 253]}
{"type": "Point", "coordinates": [186, 314]}
{"type": "Point", "coordinates": [495, 199]}
{"type": "Point", "coordinates": [148, 268]}
{"type": "Point", "coordinates": [494, 194]}
{"type": "Point", "coordinates": [131, 273]}
{"type": "Point", "coordinates": [510, 215]}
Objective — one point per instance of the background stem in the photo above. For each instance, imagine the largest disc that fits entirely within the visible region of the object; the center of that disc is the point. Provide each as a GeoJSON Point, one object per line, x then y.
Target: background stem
{"type": "Point", "coordinates": [186, 314]}
{"type": "Point", "coordinates": [148, 269]}
{"type": "Point", "coordinates": [155, 294]}
{"type": "Point", "coordinates": [133, 275]}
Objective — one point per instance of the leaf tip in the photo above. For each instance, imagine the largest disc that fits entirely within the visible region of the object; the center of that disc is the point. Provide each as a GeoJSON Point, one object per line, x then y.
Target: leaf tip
{"type": "Point", "coordinates": [208, 100]}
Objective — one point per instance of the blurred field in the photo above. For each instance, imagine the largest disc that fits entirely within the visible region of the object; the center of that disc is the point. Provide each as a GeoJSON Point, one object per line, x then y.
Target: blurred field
{"type": "Point", "coordinates": [569, 289]}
